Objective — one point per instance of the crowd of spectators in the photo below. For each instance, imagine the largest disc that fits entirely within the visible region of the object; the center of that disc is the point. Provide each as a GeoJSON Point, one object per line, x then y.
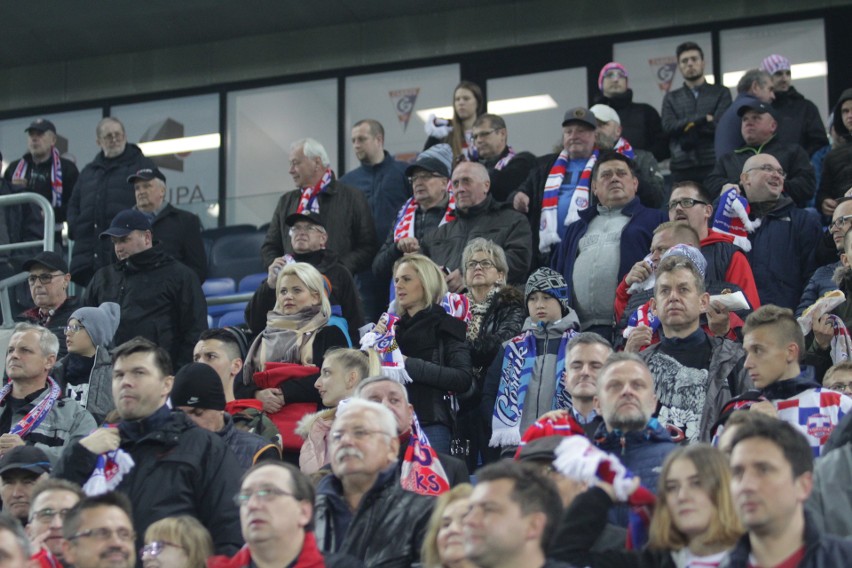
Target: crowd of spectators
{"type": "Point", "coordinates": [481, 358]}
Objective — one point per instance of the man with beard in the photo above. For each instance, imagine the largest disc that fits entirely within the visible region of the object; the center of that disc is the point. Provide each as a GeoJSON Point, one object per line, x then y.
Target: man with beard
{"type": "Point", "coordinates": [690, 114]}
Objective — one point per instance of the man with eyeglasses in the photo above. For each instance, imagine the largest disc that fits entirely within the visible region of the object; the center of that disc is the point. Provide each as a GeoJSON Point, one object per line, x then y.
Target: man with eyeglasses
{"type": "Point", "coordinates": [431, 205]}
{"type": "Point", "coordinates": [479, 215]}
{"type": "Point", "coordinates": [51, 501]}
{"type": "Point", "coordinates": [782, 248]}
{"type": "Point", "coordinates": [641, 122]}
{"type": "Point", "coordinates": [101, 192]}
{"type": "Point", "coordinates": [20, 470]}
{"type": "Point", "coordinates": [176, 468]}
{"type": "Point", "coordinates": [48, 282]}
{"type": "Point", "coordinates": [99, 533]}
{"type": "Point", "coordinates": [507, 168]}
{"type": "Point", "coordinates": [758, 128]}
{"type": "Point", "coordinates": [343, 209]}
{"type": "Point", "coordinates": [822, 280]}
{"type": "Point", "coordinates": [383, 181]}
{"type": "Point", "coordinates": [690, 203]}
{"type": "Point", "coordinates": [309, 237]}
{"type": "Point", "coordinates": [361, 509]}
{"type": "Point", "coordinates": [42, 170]}
{"type": "Point", "coordinates": [276, 503]}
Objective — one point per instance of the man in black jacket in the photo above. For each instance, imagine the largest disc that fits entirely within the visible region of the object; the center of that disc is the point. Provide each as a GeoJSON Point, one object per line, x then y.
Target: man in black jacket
{"type": "Point", "coordinates": [506, 168]}
{"type": "Point", "coordinates": [101, 192]}
{"type": "Point", "coordinates": [177, 230]}
{"type": "Point", "coordinates": [362, 510]}
{"type": "Point", "coordinates": [160, 298]}
{"type": "Point", "coordinates": [759, 127]}
{"type": "Point", "coordinates": [772, 466]}
{"type": "Point", "coordinates": [178, 468]}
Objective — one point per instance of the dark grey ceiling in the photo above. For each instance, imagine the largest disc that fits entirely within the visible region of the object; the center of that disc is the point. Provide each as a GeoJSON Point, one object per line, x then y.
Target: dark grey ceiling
{"type": "Point", "coordinates": [39, 31]}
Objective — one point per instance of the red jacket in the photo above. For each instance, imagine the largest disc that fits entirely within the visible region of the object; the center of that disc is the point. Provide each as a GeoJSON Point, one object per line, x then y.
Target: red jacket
{"type": "Point", "coordinates": [309, 557]}
{"type": "Point", "coordinates": [739, 270]}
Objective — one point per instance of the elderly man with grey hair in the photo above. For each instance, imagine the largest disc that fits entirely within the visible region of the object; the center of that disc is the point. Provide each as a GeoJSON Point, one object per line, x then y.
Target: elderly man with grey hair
{"type": "Point", "coordinates": [179, 231]}
{"type": "Point", "coordinates": [33, 410]}
{"type": "Point", "coordinates": [362, 510]}
{"type": "Point", "coordinates": [342, 209]}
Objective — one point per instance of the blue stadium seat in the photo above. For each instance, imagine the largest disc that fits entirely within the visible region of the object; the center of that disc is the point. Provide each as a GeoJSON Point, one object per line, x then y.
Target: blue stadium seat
{"type": "Point", "coordinates": [251, 282]}
{"type": "Point", "coordinates": [236, 256]}
{"type": "Point", "coordinates": [218, 232]}
{"type": "Point", "coordinates": [232, 318]}
{"type": "Point", "coordinates": [218, 287]}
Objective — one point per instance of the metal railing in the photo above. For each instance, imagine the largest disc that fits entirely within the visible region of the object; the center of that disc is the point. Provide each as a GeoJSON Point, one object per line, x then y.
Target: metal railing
{"type": "Point", "coordinates": [46, 243]}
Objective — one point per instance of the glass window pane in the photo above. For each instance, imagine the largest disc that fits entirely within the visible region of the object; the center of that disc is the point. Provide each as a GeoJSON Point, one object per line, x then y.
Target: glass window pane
{"type": "Point", "coordinates": [190, 161]}
{"type": "Point", "coordinates": [397, 99]}
{"type": "Point", "coordinates": [262, 123]}
{"type": "Point", "coordinates": [536, 127]}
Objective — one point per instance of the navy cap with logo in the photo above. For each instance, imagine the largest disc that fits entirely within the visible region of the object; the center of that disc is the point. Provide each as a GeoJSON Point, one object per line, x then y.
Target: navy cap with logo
{"type": "Point", "coordinates": [27, 458]}
{"type": "Point", "coordinates": [146, 174]}
{"type": "Point", "coordinates": [41, 125]}
{"type": "Point", "coordinates": [308, 216]}
{"type": "Point", "coordinates": [580, 114]}
{"type": "Point", "coordinates": [758, 107]}
{"type": "Point", "coordinates": [48, 259]}
{"type": "Point", "coordinates": [126, 222]}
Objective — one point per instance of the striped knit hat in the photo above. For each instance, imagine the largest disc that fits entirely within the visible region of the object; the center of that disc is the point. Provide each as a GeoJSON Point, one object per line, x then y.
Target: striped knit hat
{"type": "Point", "coordinates": [775, 63]}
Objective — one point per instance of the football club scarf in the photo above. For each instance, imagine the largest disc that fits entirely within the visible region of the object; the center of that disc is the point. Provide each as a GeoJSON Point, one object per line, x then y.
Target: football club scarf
{"type": "Point", "coordinates": [643, 315]}
{"type": "Point", "coordinates": [841, 345]}
{"type": "Point", "coordinates": [543, 427]}
{"type": "Point", "coordinates": [503, 162]}
{"type": "Point", "coordinates": [39, 412]}
{"type": "Point", "coordinates": [383, 342]}
{"type": "Point", "coordinates": [547, 232]}
{"type": "Point", "coordinates": [309, 199]}
{"type": "Point", "coordinates": [578, 459]}
{"type": "Point", "coordinates": [421, 471]}
{"type": "Point", "coordinates": [110, 469]}
{"type": "Point", "coordinates": [55, 176]}
{"type": "Point", "coordinates": [518, 361]}
{"type": "Point", "coordinates": [457, 305]}
{"type": "Point", "coordinates": [731, 218]}
{"type": "Point", "coordinates": [404, 226]}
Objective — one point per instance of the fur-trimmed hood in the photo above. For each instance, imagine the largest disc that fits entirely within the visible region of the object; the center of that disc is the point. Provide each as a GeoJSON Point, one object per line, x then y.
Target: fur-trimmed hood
{"type": "Point", "coordinates": [306, 424]}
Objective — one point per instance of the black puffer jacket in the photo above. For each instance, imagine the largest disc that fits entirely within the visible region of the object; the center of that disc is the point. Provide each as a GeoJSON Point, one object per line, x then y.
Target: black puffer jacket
{"type": "Point", "coordinates": [502, 321]}
{"type": "Point", "coordinates": [160, 299]}
{"type": "Point", "coordinates": [821, 550]}
{"type": "Point", "coordinates": [640, 123]}
{"type": "Point", "coordinates": [438, 362]}
{"type": "Point", "coordinates": [101, 192]}
{"type": "Point", "coordinates": [179, 232]}
{"type": "Point", "coordinates": [387, 529]}
{"type": "Point", "coordinates": [180, 469]}
{"type": "Point", "coordinates": [799, 121]}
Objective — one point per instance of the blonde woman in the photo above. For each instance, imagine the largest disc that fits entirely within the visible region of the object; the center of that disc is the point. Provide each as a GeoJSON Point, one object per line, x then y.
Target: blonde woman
{"type": "Point", "coordinates": [176, 542]}
{"type": "Point", "coordinates": [443, 546]}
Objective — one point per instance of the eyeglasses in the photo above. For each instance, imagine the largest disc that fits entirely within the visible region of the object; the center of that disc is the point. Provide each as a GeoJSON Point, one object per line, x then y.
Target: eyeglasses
{"type": "Point", "coordinates": [485, 264]}
{"type": "Point", "coordinates": [686, 203]}
{"type": "Point", "coordinates": [41, 278]}
{"type": "Point", "coordinates": [73, 328]}
{"type": "Point", "coordinates": [840, 222]}
{"type": "Point", "coordinates": [841, 387]}
{"type": "Point", "coordinates": [422, 177]}
{"type": "Point", "coordinates": [477, 135]}
{"type": "Point", "coordinates": [770, 170]}
{"type": "Point", "coordinates": [263, 495]}
{"type": "Point", "coordinates": [357, 434]}
{"type": "Point", "coordinates": [615, 74]}
{"type": "Point", "coordinates": [306, 230]}
{"type": "Point", "coordinates": [46, 515]}
{"type": "Point", "coordinates": [105, 533]}
{"type": "Point", "coordinates": [155, 548]}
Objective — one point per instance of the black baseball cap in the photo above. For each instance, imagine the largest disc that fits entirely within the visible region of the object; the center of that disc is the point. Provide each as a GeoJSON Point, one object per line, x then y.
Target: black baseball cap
{"type": "Point", "coordinates": [540, 449]}
{"type": "Point", "coordinates": [126, 222]}
{"type": "Point", "coordinates": [49, 259]}
{"type": "Point", "coordinates": [759, 107]}
{"type": "Point", "coordinates": [308, 216]}
{"type": "Point", "coordinates": [580, 114]}
{"type": "Point", "coordinates": [28, 458]}
{"type": "Point", "coordinates": [41, 125]}
{"type": "Point", "coordinates": [146, 174]}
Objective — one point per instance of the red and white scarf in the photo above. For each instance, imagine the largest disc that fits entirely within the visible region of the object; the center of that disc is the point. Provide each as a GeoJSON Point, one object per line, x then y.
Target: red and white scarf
{"type": "Point", "coordinates": [421, 471]}
{"type": "Point", "coordinates": [39, 412]}
{"type": "Point", "coordinates": [548, 234]}
{"type": "Point", "coordinates": [505, 159]}
{"type": "Point", "coordinates": [55, 176]}
{"type": "Point", "coordinates": [309, 199]}
{"type": "Point", "coordinates": [404, 226]}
